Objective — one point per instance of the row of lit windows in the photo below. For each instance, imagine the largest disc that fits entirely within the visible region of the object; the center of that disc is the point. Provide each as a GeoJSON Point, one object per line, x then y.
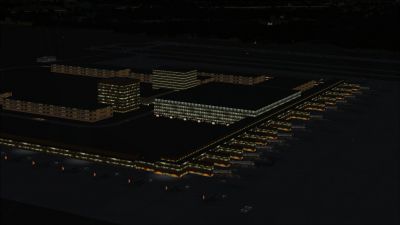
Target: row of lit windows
{"type": "Point", "coordinates": [118, 95]}
{"type": "Point", "coordinates": [223, 116]}
{"type": "Point", "coordinates": [210, 113]}
{"type": "Point", "coordinates": [175, 81]}
{"type": "Point", "coordinates": [174, 77]}
{"type": "Point", "coordinates": [67, 67]}
{"type": "Point", "coordinates": [190, 104]}
{"type": "Point", "coordinates": [76, 70]}
{"type": "Point", "coordinates": [123, 98]}
{"type": "Point", "coordinates": [118, 90]}
{"type": "Point", "coordinates": [205, 111]}
{"type": "Point", "coordinates": [119, 86]}
{"type": "Point", "coordinates": [168, 72]}
{"type": "Point", "coordinates": [198, 114]}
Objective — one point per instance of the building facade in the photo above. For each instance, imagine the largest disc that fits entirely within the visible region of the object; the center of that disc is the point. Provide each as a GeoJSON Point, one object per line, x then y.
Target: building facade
{"type": "Point", "coordinates": [89, 71]}
{"type": "Point", "coordinates": [174, 80]}
{"type": "Point", "coordinates": [123, 94]}
{"type": "Point", "coordinates": [86, 115]}
{"type": "Point", "coordinates": [213, 114]}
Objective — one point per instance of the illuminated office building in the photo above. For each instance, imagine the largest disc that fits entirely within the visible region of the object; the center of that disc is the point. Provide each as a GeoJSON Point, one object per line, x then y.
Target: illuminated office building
{"type": "Point", "coordinates": [121, 93]}
{"type": "Point", "coordinates": [220, 103]}
{"type": "Point", "coordinates": [99, 71]}
{"type": "Point", "coordinates": [91, 113]}
{"type": "Point", "coordinates": [177, 80]}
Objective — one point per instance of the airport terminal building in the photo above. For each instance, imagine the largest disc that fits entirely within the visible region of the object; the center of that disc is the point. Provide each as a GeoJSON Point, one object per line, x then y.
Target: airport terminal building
{"type": "Point", "coordinates": [220, 103]}
{"type": "Point", "coordinates": [121, 93]}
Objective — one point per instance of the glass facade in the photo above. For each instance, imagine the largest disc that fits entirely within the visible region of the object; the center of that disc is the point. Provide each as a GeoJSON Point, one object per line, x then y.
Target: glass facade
{"type": "Point", "coordinates": [210, 113]}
